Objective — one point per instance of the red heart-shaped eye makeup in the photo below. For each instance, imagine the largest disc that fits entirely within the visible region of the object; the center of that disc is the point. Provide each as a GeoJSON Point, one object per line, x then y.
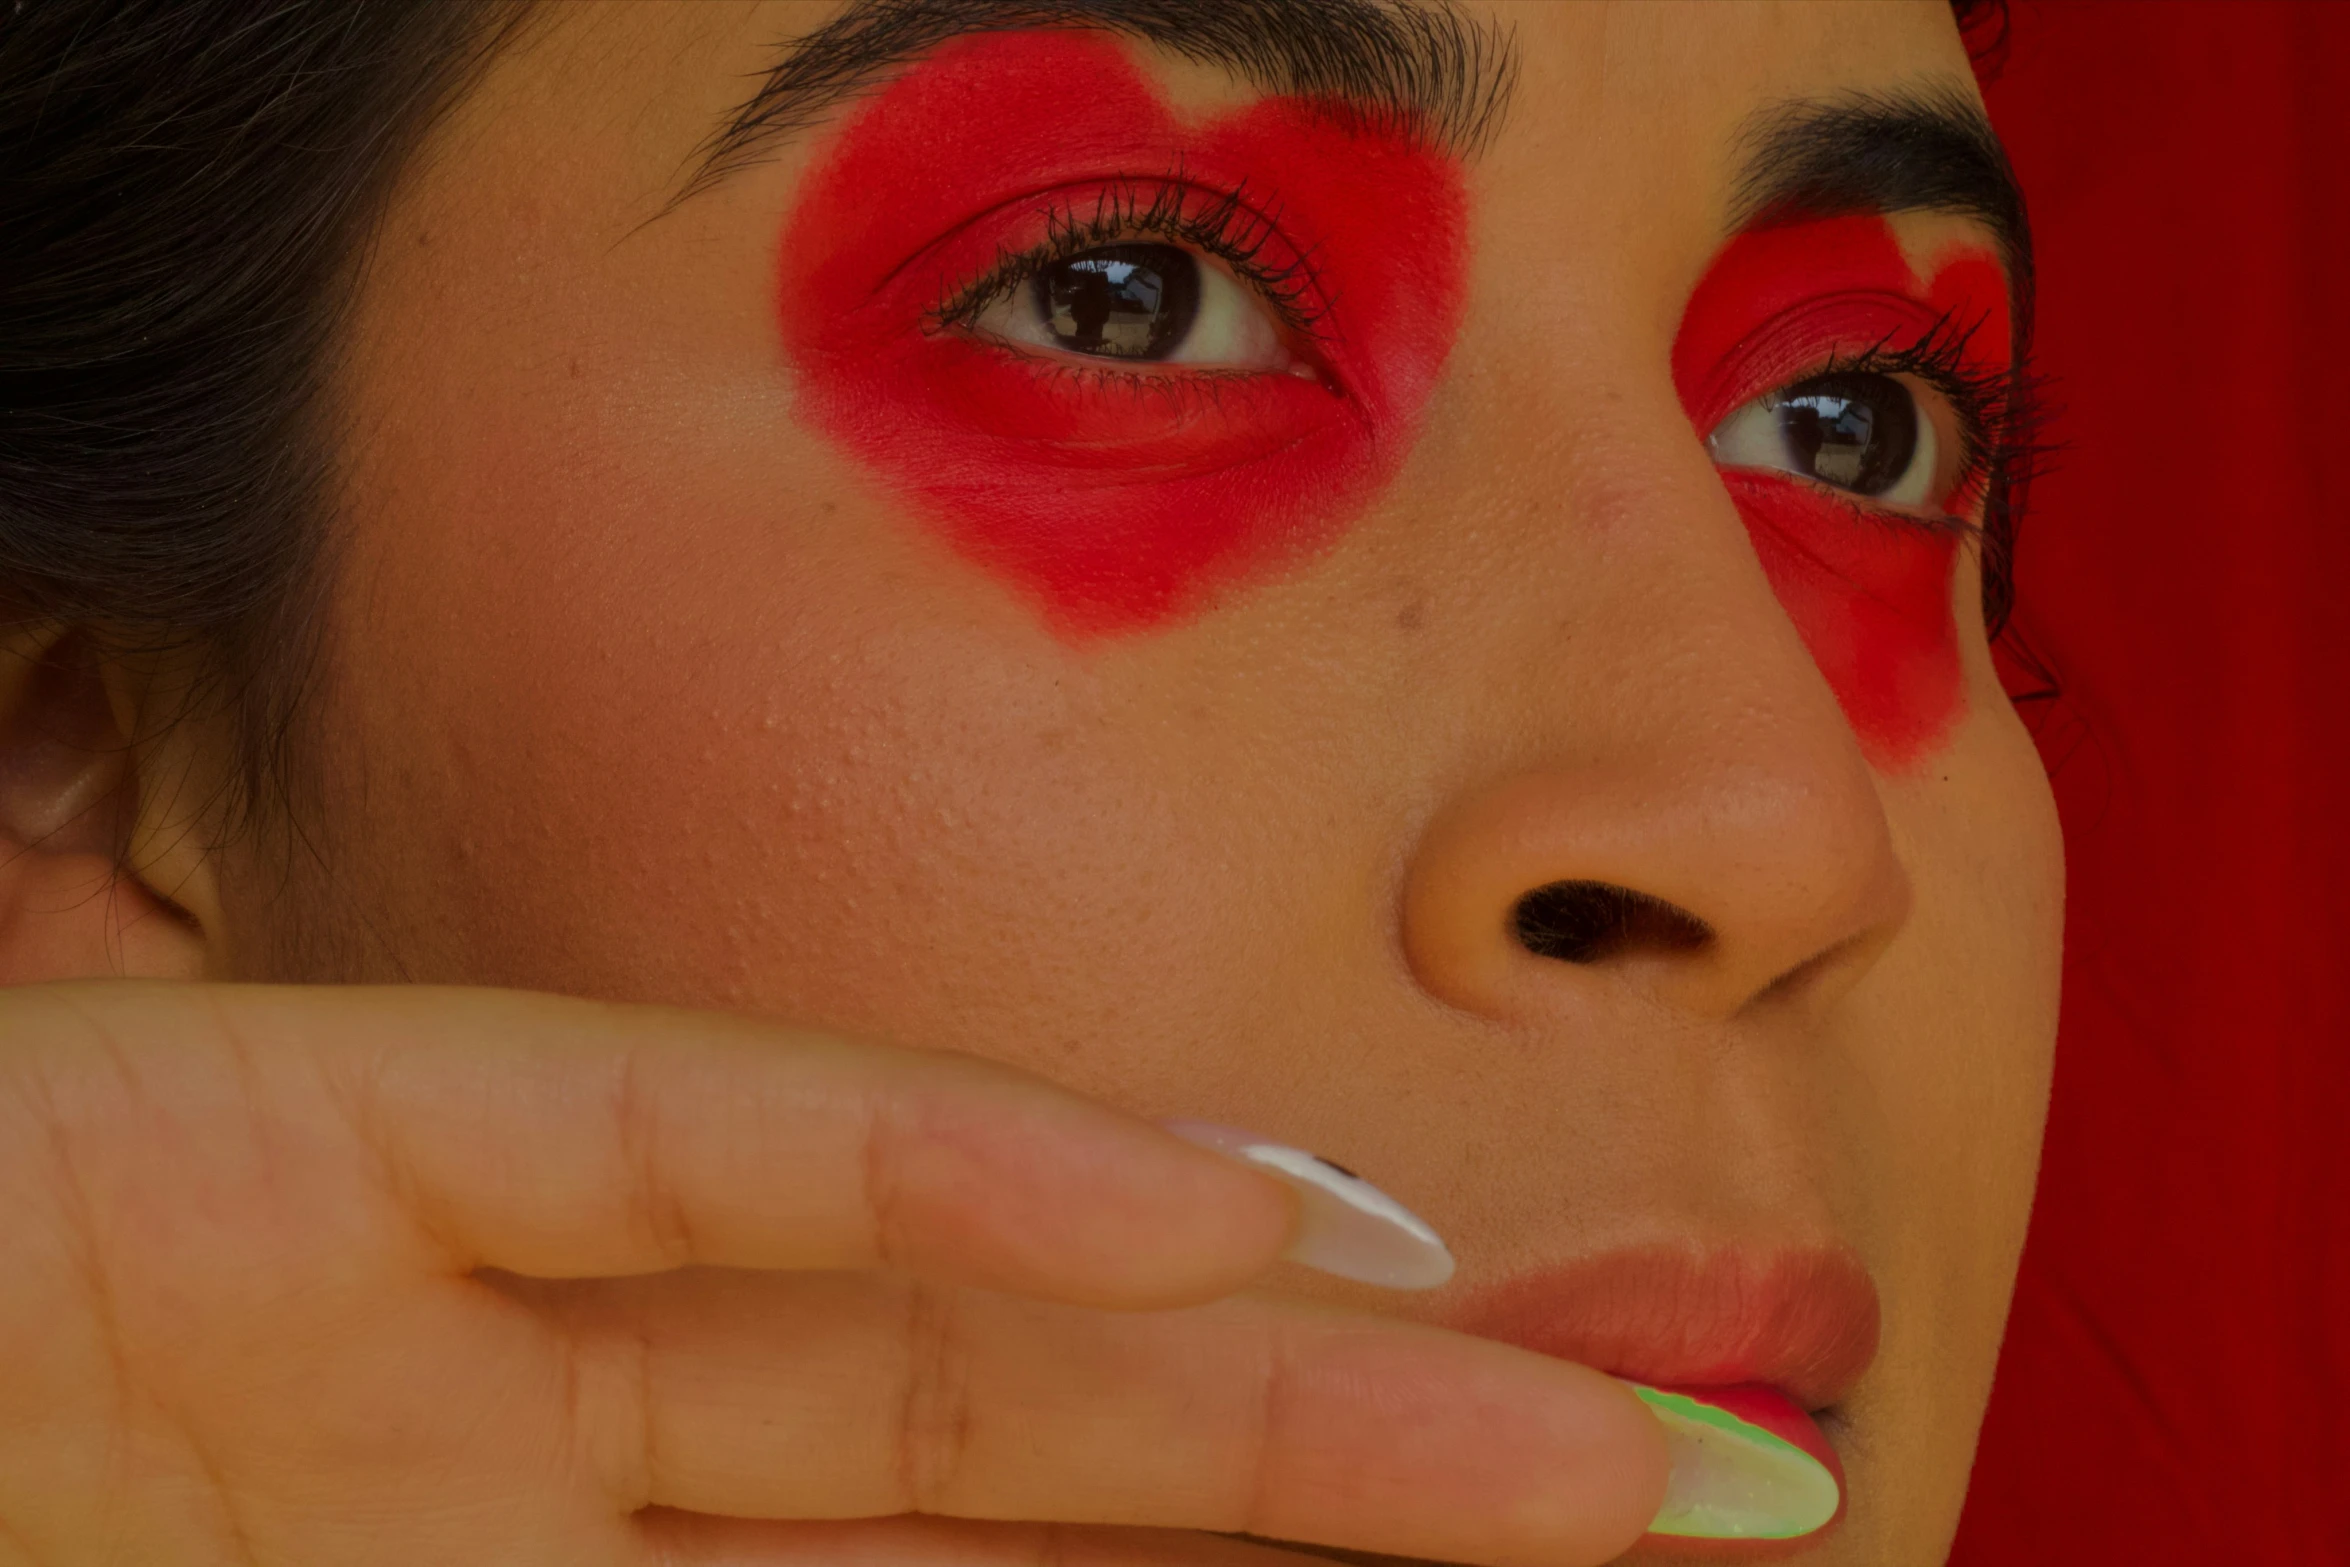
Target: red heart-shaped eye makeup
{"type": "Point", "coordinates": [1116, 496]}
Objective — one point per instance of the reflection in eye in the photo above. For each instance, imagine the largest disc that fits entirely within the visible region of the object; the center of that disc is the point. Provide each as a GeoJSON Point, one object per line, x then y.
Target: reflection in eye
{"type": "Point", "coordinates": [1859, 431]}
{"type": "Point", "coordinates": [1126, 301]}
{"type": "Point", "coordinates": [1139, 302]}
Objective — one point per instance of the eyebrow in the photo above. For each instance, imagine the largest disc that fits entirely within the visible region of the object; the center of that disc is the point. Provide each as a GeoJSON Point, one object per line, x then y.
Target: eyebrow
{"type": "Point", "coordinates": [1919, 149]}
{"type": "Point", "coordinates": [1418, 63]}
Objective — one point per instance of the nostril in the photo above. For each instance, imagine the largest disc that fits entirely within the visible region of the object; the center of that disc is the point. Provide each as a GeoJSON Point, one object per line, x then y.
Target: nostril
{"type": "Point", "coordinates": [1590, 921]}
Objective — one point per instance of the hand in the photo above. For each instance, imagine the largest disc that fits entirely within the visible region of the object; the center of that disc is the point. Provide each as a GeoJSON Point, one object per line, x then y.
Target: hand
{"type": "Point", "coordinates": [335, 1277]}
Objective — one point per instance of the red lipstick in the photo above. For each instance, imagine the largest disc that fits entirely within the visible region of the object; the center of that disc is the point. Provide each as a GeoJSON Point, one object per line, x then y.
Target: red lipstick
{"type": "Point", "coordinates": [1731, 1349]}
{"type": "Point", "coordinates": [1801, 1321]}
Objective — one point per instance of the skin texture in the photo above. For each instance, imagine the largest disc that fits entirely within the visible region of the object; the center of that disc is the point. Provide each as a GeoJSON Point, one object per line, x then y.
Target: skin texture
{"type": "Point", "coordinates": [1872, 602]}
{"type": "Point", "coordinates": [647, 682]}
{"type": "Point", "coordinates": [1114, 510]}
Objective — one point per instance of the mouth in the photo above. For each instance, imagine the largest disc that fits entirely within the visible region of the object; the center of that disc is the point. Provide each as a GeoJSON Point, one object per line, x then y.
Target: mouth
{"type": "Point", "coordinates": [1739, 1345]}
{"type": "Point", "coordinates": [1739, 1353]}
{"type": "Point", "coordinates": [1799, 1323]}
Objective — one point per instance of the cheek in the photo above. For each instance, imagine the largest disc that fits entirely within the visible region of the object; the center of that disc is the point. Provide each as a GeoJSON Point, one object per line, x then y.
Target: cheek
{"type": "Point", "coordinates": [1872, 601]}
{"type": "Point", "coordinates": [617, 730]}
{"type": "Point", "coordinates": [642, 795]}
{"type": "Point", "coordinates": [1114, 500]}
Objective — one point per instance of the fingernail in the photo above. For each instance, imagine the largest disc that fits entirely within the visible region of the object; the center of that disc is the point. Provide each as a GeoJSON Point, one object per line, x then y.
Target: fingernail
{"type": "Point", "coordinates": [1733, 1480]}
{"type": "Point", "coordinates": [1348, 1227]}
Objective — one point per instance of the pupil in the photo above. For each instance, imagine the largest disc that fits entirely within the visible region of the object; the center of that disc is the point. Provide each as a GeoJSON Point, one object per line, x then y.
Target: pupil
{"type": "Point", "coordinates": [1121, 301]}
{"type": "Point", "coordinates": [1857, 432]}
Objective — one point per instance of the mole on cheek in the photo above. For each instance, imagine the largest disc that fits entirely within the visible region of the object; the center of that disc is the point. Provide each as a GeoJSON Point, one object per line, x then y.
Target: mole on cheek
{"type": "Point", "coordinates": [1114, 499]}
{"type": "Point", "coordinates": [1871, 596]}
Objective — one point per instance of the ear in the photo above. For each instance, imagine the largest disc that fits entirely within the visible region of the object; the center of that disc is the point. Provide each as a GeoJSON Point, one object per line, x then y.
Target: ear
{"type": "Point", "coordinates": [73, 820]}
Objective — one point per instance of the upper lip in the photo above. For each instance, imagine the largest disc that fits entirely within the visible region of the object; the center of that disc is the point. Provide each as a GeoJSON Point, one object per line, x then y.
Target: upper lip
{"type": "Point", "coordinates": [1802, 1320]}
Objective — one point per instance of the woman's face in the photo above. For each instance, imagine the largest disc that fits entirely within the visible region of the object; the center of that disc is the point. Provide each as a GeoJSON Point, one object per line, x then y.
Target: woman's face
{"type": "Point", "coordinates": [1073, 555]}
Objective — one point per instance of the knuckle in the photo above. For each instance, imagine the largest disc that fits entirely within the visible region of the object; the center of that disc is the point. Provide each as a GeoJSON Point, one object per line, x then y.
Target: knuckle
{"type": "Point", "coordinates": [609, 1370]}
{"type": "Point", "coordinates": [1260, 1439]}
{"type": "Point", "coordinates": [882, 1167]}
{"type": "Point", "coordinates": [656, 1210]}
{"type": "Point", "coordinates": [935, 1419]}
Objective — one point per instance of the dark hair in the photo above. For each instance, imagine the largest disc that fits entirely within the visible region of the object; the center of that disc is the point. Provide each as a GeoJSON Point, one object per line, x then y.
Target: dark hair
{"type": "Point", "coordinates": [187, 188]}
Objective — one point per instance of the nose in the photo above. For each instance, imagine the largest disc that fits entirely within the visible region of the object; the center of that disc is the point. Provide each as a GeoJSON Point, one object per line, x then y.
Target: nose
{"type": "Point", "coordinates": [1686, 812]}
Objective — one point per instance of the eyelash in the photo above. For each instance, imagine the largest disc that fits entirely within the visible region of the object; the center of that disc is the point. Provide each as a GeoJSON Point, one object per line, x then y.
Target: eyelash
{"type": "Point", "coordinates": [1998, 422]}
{"type": "Point", "coordinates": [1997, 412]}
{"type": "Point", "coordinates": [1227, 227]}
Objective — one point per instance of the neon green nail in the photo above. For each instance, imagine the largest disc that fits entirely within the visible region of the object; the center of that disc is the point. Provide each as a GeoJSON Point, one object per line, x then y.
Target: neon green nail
{"type": "Point", "coordinates": [1733, 1480]}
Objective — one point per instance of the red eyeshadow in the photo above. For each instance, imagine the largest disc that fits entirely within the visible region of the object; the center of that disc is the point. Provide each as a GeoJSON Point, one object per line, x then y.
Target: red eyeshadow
{"type": "Point", "coordinates": [1869, 593]}
{"type": "Point", "coordinates": [1116, 499]}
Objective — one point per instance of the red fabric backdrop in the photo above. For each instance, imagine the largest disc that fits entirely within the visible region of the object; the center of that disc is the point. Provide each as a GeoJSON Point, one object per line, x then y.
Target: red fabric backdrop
{"type": "Point", "coordinates": [2176, 1382]}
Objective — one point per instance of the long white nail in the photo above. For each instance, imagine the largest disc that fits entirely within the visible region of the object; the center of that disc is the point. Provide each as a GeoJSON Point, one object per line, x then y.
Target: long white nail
{"type": "Point", "coordinates": [1348, 1227]}
{"type": "Point", "coordinates": [1733, 1480]}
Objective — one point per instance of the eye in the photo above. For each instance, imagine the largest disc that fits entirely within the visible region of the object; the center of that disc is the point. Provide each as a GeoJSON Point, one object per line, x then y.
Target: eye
{"type": "Point", "coordinates": [1145, 303]}
{"type": "Point", "coordinates": [1853, 430]}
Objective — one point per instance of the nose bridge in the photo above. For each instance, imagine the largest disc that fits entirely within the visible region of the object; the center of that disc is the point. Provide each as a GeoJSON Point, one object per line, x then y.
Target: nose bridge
{"type": "Point", "coordinates": [1684, 807]}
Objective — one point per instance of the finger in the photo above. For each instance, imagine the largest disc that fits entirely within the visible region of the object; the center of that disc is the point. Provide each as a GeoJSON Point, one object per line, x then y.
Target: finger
{"type": "Point", "coordinates": [858, 1397]}
{"type": "Point", "coordinates": [565, 1138]}
{"type": "Point", "coordinates": [695, 1540]}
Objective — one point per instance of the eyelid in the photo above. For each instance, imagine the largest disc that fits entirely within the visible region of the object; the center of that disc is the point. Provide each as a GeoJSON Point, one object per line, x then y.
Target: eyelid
{"type": "Point", "coordinates": [1935, 353]}
{"type": "Point", "coordinates": [1224, 225]}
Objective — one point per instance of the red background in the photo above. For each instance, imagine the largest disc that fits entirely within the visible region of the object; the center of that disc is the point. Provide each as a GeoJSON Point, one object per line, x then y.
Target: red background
{"type": "Point", "coordinates": [2176, 1381]}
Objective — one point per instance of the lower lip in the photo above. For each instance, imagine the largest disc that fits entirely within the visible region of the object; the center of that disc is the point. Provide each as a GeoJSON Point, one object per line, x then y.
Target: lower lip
{"type": "Point", "coordinates": [1760, 1405]}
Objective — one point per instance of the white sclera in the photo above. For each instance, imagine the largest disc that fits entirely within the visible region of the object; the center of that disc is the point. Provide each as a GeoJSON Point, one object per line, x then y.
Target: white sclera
{"type": "Point", "coordinates": [1751, 437]}
{"type": "Point", "coordinates": [1349, 1228]}
{"type": "Point", "coordinates": [1234, 329]}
